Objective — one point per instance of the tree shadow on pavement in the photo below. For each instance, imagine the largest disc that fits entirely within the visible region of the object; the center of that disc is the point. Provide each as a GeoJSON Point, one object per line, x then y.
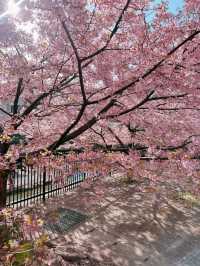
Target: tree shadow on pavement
{"type": "Point", "coordinates": [126, 227]}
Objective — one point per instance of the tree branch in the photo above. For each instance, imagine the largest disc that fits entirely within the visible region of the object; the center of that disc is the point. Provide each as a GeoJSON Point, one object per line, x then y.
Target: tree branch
{"type": "Point", "coordinates": [18, 93]}
{"type": "Point", "coordinates": [150, 70]}
{"type": "Point", "coordinates": [113, 32]}
{"type": "Point", "coordinates": [78, 62]}
{"type": "Point", "coordinates": [119, 141]}
{"type": "Point", "coordinates": [5, 112]}
{"type": "Point", "coordinates": [92, 121]}
{"type": "Point", "coordinates": [62, 85]}
{"type": "Point", "coordinates": [146, 99]}
{"type": "Point", "coordinates": [64, 137]}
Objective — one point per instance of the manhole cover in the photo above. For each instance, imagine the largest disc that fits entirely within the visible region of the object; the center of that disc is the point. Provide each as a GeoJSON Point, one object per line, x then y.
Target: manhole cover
{"type": "Point", "coordinates": [62, 220]}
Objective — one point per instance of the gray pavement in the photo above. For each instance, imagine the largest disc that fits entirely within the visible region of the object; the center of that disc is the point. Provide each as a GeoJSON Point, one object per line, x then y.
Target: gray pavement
{"type": "Point", "coordinates": [124, 229]}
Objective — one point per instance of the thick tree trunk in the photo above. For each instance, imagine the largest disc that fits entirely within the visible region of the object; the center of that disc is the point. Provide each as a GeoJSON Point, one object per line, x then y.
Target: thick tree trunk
{"type": "Point", "coordinates": [3, 188]}
{"type": "Point", "coordinates": [3, 174]}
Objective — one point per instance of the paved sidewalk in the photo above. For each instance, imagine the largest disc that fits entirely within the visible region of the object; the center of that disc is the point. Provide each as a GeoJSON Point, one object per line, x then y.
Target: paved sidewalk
{"type": "Point", "coordinates": [124, 229]}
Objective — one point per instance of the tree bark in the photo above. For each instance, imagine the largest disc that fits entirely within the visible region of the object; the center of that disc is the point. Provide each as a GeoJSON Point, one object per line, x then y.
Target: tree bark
{"type": "Point", "coordinates": [3, 188]}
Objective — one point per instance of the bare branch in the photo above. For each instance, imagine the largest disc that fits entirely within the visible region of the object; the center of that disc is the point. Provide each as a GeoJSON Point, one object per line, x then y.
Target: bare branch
{"type": "Point", "coordinates": [64, 137]}
{"type": "Point", "coordinates": [18, 93]}
{"type": "Point", "coordinates": [5, 112]}
{"type": "Point", "coordinates": [150, 70]}
{"type": "Point", "coordinates": [155, 98]}
{"type": "Point", "coordinates": [118, 140]}
{"type": "Point", "coordinates": [146, 99]}
{"type": "Point", "coordinates": [78, 61]}
{"type": "Point", "coordinates": [113, 32]}
{"type": "Point", "coordinates": [92, 121]}
{"type": "Point", "coordinates": [100, 134]}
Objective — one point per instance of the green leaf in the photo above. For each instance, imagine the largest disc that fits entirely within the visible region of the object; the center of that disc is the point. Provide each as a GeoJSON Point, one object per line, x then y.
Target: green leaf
{"type": "Point", "coordinates": [17, 139]}
{"type": "Point", "coordinates": [25, 252]}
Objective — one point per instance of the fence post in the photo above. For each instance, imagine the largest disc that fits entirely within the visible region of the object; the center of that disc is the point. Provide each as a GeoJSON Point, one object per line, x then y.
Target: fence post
{"type": "Point", "coordinates": [44, 183]}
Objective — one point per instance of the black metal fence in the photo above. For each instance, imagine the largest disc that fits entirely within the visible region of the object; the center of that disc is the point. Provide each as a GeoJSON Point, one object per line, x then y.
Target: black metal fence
{"type": "Point", "coordinates": [30, 184]}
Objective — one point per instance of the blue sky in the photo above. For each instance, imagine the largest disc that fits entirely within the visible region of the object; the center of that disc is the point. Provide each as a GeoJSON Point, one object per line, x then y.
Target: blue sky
{"type": "Point", "coordinates": [174, 5]}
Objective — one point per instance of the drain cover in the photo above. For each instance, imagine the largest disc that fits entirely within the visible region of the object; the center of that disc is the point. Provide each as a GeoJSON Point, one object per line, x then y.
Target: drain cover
{"type": "Point", "coordinates": [62, 220]}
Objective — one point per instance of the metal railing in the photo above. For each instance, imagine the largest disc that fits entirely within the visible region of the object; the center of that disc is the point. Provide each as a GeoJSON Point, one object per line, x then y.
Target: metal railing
{"type": "Point", "coordinates": [30, 184]}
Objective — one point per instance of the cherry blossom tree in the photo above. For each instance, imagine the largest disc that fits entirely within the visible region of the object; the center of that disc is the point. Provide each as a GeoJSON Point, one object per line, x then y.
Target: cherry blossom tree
{"type": "Point", "coordinates": [123, 75]}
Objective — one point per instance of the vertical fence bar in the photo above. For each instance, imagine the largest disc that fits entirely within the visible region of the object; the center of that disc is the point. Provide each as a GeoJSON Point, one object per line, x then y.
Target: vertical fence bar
{"type": "Point", "coordinates": [29, 180]}
{"type": "Point", "coordinates": [20, 187]}
{"type": "Point", "coordinates": [54, 179]}
{"type": "Point", "coordinates": [31, 169]}
{"type": "Point", "coordinates": [68, 173]}
{"type": "Point", "coordinates": [44, 184]}
{"type": "Point", "coordinates": [34, 185]}
{"type": "Point", "coordinates": [8, 189]}
{"type": "Point", "coordinates": [37, 183]}
{"type": "Point", "coordinates": [58, 183]}
{"type": "Point", "coordinates": [23, 186]}
{"type": "Point", "coordinates": [27, 183]}
{"type": "Point", "coordinates": [40, 189]}
{"type": "Point", "coordinates": [40, 182]}
{"type": "Point", "coordinates": [13, 187]}
{"type": "Point", "coordinates": [51, 182]}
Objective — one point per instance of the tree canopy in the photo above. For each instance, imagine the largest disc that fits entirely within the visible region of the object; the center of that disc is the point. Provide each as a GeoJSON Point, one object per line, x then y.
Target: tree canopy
{"type": "Point", "coordinates": [123, 73]}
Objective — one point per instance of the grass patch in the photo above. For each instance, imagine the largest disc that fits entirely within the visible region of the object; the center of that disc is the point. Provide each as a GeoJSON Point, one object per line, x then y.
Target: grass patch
{"type": "Point", "coordinates": [189, 198]}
